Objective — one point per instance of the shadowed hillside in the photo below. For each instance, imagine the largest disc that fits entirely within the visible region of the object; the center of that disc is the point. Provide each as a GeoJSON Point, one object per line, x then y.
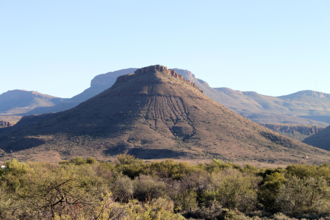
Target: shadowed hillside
{"type": "Point", "coordinates": [154, 113]}
{"type": "Point", "coordinates": [320, 140]}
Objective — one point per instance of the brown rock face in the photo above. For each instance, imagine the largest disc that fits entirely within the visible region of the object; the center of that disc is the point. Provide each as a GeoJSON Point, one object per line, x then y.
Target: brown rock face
{"type": "Point", "coordinates": [155, 68]}
{"type": "Point", "coordinates": [187, 74]}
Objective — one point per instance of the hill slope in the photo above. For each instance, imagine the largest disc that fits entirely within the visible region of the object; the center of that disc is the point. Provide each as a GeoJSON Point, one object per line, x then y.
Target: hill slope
{"type": "Point", "coordinates": [154, 113]}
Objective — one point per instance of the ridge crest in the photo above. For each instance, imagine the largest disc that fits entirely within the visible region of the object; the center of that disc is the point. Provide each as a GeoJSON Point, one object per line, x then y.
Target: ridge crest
{"type": "Point", "coordinates": [155, 68]}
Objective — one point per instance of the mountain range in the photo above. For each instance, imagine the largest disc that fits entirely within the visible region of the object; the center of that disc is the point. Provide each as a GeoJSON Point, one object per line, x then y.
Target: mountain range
{"type": "Point", "coordinates": [304, 107]}
{"type": "Point", "coordinates": [153, 113]}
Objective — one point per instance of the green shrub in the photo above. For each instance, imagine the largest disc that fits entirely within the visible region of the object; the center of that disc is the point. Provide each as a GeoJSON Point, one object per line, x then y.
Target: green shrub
{"type": "Point", "coordinates": [269, 189]}
{"type": "Point", "coordinates": [217, 166]}
{"type": "Point", "coordinates": [146, 188]}
{"type": "Point", "coordinates": [91, 160]}
{"type": "Point", "coordinates": [308, 195]}
{"type": "Point", "coordinates": [169, 168]}
{"type": "Point", "coordinates": [122, 189]}
{"type": "Point", "coordinates": [234, 190]}
{"type": "Point", "coordinates": [78, 161]}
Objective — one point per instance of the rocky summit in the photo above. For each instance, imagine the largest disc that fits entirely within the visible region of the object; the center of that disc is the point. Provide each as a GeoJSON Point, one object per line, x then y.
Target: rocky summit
{"type": "Point", "coordinates": [153, 113]}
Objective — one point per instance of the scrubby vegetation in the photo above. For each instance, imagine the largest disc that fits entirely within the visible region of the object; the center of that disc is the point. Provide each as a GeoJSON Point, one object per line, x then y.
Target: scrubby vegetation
{"type": "Point", "coordinates": [133, 189]}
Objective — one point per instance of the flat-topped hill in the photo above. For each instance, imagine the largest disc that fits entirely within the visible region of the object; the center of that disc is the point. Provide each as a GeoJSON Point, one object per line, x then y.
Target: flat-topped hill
{"type": "Point", "coordinates": [154, 113]}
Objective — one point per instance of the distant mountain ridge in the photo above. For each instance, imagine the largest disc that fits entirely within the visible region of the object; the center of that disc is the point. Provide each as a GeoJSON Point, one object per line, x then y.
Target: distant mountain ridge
{"type": "Point", "coordinates": [297, 108]}
{"type": "Point", "coordinates": [16, 102]}
{"type": "Point", "coordinates": [307, 93]}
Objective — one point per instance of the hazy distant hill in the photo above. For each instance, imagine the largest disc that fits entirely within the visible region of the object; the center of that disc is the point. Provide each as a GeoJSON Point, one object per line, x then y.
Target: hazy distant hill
{"type": "Point", "coordinates": [154, 113]}
{"type": "Point", "coordinates": [297, 108]}
{"type": "Point", "coordinates": [264, 118]}
{"type": "Point", "coordinates": [16, 102]}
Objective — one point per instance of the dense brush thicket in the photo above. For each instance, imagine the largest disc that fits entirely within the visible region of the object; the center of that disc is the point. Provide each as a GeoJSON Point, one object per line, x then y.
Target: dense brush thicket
{"type": "Point", "coordinates": [133, 189]}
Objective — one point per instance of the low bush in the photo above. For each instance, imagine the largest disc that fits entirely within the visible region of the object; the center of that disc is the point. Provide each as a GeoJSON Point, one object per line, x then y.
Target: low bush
{"type": "Point", "coordinates": [132, 189]}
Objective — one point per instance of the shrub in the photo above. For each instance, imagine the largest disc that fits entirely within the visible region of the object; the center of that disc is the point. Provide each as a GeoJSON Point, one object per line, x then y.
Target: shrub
{"type": "Point", "coordinates": [146, 188]}
{"type": "Point", "coordinates": [308, 195]}
{"type": "Point", "coordinates": [130, 166]}
{"type": "Point", "coordinates": [234, 190]}
{"type": "Point", "coordinates": [122, 188]}
{"type": "Point", "coordinates": [269, 189]}
{"type": "Point", "coordinates": [169, 168]}
{"type": "Point", "coordinates": [78, 161]}
{"type": "Point", "coordinates": [91, 160]}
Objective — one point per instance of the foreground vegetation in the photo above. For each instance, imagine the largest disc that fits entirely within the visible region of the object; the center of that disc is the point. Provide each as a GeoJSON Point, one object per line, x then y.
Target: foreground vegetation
{"type": "Point", "coordinates": [132, 189]}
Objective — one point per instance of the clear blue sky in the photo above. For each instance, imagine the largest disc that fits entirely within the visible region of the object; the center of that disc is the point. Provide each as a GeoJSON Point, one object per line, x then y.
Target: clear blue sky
{"type": "Point", "coordinates": [273, 47]}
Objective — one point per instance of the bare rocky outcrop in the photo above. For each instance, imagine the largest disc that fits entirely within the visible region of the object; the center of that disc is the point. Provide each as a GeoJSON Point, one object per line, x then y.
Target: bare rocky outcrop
{"type": "Point", "coordinates": [186, 73]}
{"type": "Point", "coordinates": [155, 68]}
